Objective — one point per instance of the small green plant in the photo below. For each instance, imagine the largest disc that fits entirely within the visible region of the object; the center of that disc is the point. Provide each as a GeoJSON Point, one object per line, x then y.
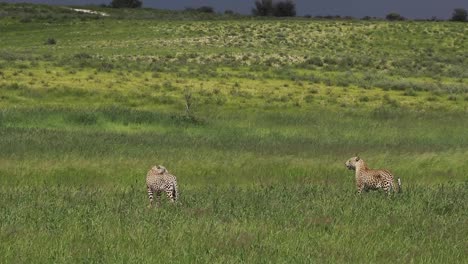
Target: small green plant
{"type": "Point", "coordinates": [51, 41]}
{"type": "Point", "coordinates": [189, 104]}
{"type": "Point", "coordinates": [83, 118]}
{"type": "Point", "coordinates": [106, 67]}
{"type": "Point", "coordinates": [168, 86]}
{"type": "Point", "coordinates": [452, 97]}
{"type": "Point", "coordinates": [309, 98]}
{"type": "Point", "coordinates": [409, 92]}
{"type": "Point", "coordinates": [313, 90]}
{"type": "Point", "coordinates": [26, 20]}
{"type": "Point", "coordinates": [364, 99]}
{"type": "Point", "coordinates": [317, 61]}
{"type": "Point", "coordinates": [389, 101]}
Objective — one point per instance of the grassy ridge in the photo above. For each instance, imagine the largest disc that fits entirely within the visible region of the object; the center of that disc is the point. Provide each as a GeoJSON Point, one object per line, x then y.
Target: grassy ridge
{"type": "Point", "coordinates": [278, 107]}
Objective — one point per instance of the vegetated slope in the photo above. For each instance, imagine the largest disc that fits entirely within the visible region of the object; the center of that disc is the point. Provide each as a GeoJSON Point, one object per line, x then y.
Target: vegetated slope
{"type": "Point", "coordinates": [296, 61]}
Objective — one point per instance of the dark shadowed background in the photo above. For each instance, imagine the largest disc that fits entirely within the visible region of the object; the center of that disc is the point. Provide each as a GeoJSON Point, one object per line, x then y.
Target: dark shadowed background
{"type": "Point", "coordinates": [356, 8]}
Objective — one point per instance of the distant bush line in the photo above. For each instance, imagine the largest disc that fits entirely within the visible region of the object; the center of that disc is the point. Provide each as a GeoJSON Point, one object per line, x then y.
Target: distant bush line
{"type": "Point", "coordinates": [27, 13]}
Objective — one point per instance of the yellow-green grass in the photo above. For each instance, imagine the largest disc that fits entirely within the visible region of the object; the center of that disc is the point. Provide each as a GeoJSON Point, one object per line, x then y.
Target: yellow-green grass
{"type": "Point", "coordinates": [142, 90]}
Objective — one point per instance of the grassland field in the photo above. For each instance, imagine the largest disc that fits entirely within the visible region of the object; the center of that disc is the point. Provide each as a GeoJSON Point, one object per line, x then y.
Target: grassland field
{"type": "Point", "coordinates": [88, 104]}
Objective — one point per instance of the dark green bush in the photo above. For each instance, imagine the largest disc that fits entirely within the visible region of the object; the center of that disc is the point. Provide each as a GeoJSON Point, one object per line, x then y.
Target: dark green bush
{"type": "Point", "coordinates": [459, 14]}
{"type": "Point", "coordinates": [51, 41]}
{"type": "Point", "coordinates": [394, 17]}
{"type": "Point", "coordinates": [126, 3]}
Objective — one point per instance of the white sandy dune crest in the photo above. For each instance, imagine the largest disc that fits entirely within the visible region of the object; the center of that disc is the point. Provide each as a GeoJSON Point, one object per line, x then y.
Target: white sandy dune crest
{"type": "Point", "coordinates": [87, 11]}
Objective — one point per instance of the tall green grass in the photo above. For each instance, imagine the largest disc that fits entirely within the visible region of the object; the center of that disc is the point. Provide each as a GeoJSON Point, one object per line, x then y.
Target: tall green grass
{"type": "Point", "coordinates": [276, 223]}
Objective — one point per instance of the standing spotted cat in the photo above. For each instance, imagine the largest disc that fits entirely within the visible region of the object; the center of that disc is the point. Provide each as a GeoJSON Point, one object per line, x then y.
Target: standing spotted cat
{"type": "Point", "coordinates": [159, 180]}
{"type": "Point", "coordinates": [369, 179]}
